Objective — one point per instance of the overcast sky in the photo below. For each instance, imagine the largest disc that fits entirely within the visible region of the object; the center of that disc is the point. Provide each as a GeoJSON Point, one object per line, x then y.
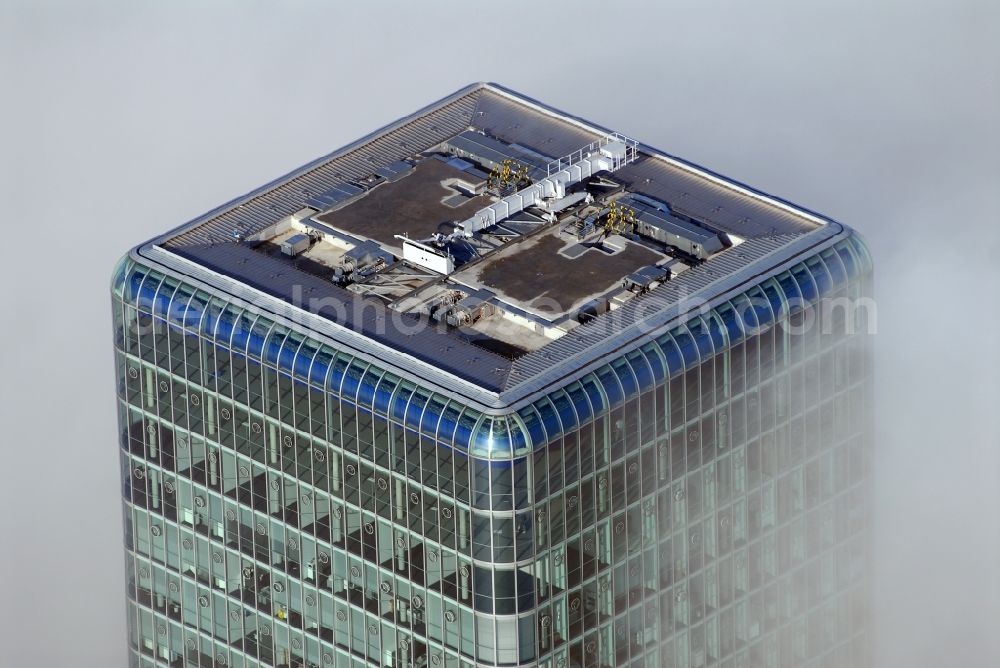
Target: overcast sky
{"type": "Point", "coordinates": [121, 120]}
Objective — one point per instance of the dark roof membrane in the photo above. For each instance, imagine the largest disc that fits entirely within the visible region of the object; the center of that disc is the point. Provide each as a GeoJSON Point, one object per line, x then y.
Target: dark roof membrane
{"type": "Point", "coordinates": [772, 232]}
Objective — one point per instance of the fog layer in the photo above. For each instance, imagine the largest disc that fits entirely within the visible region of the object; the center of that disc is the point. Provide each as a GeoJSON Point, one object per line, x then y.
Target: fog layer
{"type": "Point", "coordinates": [120, 120]}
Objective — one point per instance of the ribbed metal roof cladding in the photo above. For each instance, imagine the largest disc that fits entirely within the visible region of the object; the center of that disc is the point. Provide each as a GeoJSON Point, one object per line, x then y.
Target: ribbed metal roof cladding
{"type": "Point", "coordinates": [275, 277]}
{"type": "Point", "coordinates": [687, 192]}
{"type": "Point", "coordinates": [287, 195]}
{"type": "Point", "coordinates": [602, 339]}
{"type": "Point", "coordinates": [774, 234]}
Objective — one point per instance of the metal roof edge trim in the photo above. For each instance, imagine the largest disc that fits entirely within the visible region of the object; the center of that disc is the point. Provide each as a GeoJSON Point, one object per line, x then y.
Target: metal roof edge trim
{"type": "Point", "coordinates": [319, 328]}
{"type": "Point", "coordinates": [317, 162]}
{"type": "Point", "coordinates": [529, 390]}
{"type": "Point", "coordinates": [480, 398]}
{"type": "Point", "coordinates": [651, 151]}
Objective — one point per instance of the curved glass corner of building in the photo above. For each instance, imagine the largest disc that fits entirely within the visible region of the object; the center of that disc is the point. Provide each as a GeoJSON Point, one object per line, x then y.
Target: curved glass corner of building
{"type": "Point", "coordinates": [697, 340]}
{"type": "Point", "coordinates": [682, 485]}
{"type": "Point", "coordinates": [289, 503]}
{"type": "Point", "coordinates": [120, 274]}
{"type": "Point", "coordinates": [860, 249]}
{"type": "Point", "coordinates": [187, 311]}
{"type": "Point", "coordinates": [497, 437]}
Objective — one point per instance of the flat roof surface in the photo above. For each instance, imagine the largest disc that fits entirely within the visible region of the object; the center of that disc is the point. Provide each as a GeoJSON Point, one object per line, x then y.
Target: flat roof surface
{"type": "Point", "coordinates": [530, 299]}
{"type": "Point", "coordinates": [536, 276]}
{"type": "Point", "coordinates": [412, 206]}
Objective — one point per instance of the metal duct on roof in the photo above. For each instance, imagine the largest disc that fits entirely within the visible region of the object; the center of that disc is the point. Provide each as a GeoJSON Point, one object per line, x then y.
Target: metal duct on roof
{"type": "Point", "coordinates": [661, 225]}
{"type": "Point", "coordinates": [490, 152]}
{"type": "Point", "coordinates": [609, 154]}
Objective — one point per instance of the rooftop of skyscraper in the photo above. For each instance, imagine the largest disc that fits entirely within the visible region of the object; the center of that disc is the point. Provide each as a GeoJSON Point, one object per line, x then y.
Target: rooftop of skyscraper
{"type": "Point", "coordinates": [490, 244]}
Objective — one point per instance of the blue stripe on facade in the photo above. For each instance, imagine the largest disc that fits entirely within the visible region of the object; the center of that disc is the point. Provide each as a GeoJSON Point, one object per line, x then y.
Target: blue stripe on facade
{"type": "Point", "coordinates": [381, 392]}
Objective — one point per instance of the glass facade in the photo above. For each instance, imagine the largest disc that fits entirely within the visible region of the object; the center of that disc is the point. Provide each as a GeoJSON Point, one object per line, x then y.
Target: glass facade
{"type": "Point", "coordinates": [699, 501]}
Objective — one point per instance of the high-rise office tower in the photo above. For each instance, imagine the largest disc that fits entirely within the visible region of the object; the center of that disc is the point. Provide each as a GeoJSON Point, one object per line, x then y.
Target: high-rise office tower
{"type": "Point", "coordinates": [494, 386]}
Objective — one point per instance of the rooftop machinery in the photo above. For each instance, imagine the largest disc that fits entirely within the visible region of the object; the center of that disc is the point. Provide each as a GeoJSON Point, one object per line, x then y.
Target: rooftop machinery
{"type": "Point", "coordinates": [549, 193]}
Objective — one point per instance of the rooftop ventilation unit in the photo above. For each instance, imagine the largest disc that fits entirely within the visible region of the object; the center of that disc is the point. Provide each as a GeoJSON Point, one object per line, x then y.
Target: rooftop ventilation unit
{"type": "Point", "coordinates": [366, 253]}
{"type": "Point", "coordinates": [363, 260]}
{"type": "Point", "coordinates": [296, 244]}
{"type": "Point", "coordinates": [490, 153]}
{"type": "Point", "coordinates": [644, 279]}
{"type": "Point", "coordinates": [470, 310]}
{"type": "Point", "coordinates": [609, 154]}
{"type": "Point", "coordinates": [606, 155]}
{"type": "Point", "coordinates": [654, 220]}
{"type": "Point", "coordinates": [437, 260]}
